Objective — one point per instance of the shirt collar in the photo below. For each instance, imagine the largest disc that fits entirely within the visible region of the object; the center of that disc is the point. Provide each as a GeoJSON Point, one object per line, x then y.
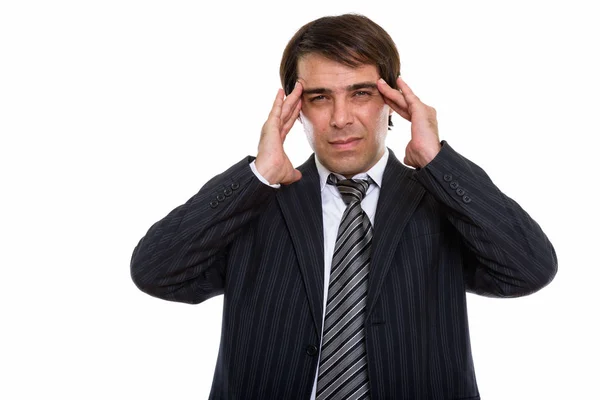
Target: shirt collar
{"type": "Point", "coordinates": [376, 172]}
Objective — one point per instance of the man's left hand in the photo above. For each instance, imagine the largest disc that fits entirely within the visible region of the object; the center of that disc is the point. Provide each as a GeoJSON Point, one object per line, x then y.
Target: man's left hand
{"type": "Point", "coordinates": [425, 142]}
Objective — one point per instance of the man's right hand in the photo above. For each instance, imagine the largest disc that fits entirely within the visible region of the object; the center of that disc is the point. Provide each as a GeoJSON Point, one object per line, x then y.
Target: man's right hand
{"type": "Point", "coordinates": [271, 161]}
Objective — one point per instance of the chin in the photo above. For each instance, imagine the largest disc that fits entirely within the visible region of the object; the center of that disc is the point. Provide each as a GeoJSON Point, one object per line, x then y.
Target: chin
{"type": "Point", "coordinates": [346, 168]}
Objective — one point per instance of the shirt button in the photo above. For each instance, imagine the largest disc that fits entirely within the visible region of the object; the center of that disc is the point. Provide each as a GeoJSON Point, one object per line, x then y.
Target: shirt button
{"type": "Point", "coordinates": [447, 177]}
{"type": "Point", "coordinates": [312, 350]}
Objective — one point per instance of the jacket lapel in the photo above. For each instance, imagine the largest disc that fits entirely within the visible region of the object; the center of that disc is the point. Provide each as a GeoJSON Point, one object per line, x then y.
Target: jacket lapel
{"type": "Point", "coordinates": [400, 194]}
{"type": "Point", "coordinates": [301, 206]}
{"type": "Point", "coordinates": [302, 210]}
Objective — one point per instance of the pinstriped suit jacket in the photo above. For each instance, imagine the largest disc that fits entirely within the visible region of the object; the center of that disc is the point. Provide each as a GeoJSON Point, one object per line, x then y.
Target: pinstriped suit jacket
{"type": "Point", "coordinates": [440, 231]}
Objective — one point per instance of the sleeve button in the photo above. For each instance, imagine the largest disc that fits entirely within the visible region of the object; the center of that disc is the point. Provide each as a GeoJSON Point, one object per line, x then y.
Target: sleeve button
{"type": "Point", "coordinates": [227, 192]}
{"type": "Point", "coordinates": [460, 191]}
{"type": "Point", "coordinates": [454, 185]}
{"type": "Point", "coordinates": [214, 204]}
{"type": "Point", "coordinates": [220, 197]}
{"type": "Point", "coordinates": [466, 199]}
{"type": "Point", "coordinates": [447, 177]}
{"type": "Point", "coordinates": [235, 186]}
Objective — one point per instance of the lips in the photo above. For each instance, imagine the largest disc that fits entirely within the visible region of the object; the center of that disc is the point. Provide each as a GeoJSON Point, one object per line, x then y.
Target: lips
{"type": "Point", "coordinates": [344, 141]}
{"type": "Point", "coordinates": [345, 144]}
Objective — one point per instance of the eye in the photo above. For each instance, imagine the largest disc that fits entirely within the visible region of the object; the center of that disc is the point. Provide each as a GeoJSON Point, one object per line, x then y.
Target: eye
{"type": "Point", "coordinates": [317, 98]}
{"type": "Point", "coordinates": [362, 93]}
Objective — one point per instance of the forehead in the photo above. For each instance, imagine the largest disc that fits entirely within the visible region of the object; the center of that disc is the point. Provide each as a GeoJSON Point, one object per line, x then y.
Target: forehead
{"type": "Point", "coordinates": [317, 71]}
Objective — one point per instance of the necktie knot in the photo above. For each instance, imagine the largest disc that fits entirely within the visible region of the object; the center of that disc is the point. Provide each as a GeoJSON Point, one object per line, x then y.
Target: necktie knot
{"type": "Point", "coordinates": [352, 190]}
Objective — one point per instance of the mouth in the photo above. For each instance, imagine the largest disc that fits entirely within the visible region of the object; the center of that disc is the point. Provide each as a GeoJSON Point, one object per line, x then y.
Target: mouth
{"type": "Point", "coordinates": [345, 144]}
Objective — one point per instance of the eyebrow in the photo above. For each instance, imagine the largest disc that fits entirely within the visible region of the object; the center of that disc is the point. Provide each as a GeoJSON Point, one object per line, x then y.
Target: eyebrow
{"type": "Point", "coordinates": [349, 88]}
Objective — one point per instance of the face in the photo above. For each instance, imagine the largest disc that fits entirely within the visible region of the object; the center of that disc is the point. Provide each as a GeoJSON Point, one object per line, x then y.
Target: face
{"type": "Point", "coordinates": [344, 115]}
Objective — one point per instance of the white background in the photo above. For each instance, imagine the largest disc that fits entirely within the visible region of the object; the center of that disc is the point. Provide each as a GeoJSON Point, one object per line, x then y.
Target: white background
{"type": "Point", "coordinates": [112, 113]}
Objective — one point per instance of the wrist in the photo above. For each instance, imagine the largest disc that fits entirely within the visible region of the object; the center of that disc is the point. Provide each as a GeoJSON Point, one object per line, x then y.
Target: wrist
{"type": "Point", "coordinates": [427, 155]}
{"type": "Point", "coordinates": [262, 178]}
{"type": "Point", "coordinates": [268, 171]}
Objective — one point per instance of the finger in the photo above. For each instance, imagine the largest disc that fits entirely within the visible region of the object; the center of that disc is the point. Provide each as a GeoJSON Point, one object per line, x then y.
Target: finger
{"type": "Point", "coordinates": [291, 101]}
{"type": "Point", "coordinates": [297, 91]}
{"type": "Point", "coordinates": [276, 109]}
{"type": "Point", "coordinates": [392, 94]}
{"type": "Point", "coordinates": [291, 120]}
{"type": "Point", "coordinates": [403, 113]}
{"type": "Point", "coordinates": [407, 91]}
{"type": "Point", "coordinates": [394, 98]}
{"type": "Point", "coordinates": [273, 121]}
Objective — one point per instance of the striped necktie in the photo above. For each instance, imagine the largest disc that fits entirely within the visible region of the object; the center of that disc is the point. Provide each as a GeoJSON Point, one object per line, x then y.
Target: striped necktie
{"type": "Point", "coordinates": [343, 363]}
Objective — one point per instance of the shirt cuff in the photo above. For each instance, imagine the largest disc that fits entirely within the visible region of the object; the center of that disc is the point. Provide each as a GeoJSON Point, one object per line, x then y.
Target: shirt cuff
{"type": "Point", "coordinates": [260, 177]}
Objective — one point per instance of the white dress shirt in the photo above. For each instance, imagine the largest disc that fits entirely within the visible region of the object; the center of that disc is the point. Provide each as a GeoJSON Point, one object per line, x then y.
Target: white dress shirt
{"type": "Point", "coordinates": [333, 209]}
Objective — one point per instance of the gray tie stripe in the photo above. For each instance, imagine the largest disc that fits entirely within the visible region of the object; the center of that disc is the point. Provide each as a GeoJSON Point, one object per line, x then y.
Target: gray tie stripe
{"type": "Point", "coordinates": [352, 327]}
{"type": "Point", "coordinates": [342, 369]}
{"type": "Point", "coordinates": [330, 359]}
{"type": "Point", "coordinates": [333, 309]}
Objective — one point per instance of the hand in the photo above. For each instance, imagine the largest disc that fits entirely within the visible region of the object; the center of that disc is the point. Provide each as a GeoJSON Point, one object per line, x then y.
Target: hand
{"type": "Point", "coordinates": [425, 142]}
{"type": "Point", "coordinates": [271, 161]}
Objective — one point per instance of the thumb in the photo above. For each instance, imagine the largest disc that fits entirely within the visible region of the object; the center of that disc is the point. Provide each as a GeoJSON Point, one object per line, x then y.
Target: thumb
{"type": "Point", "coordinates": [295, 177]}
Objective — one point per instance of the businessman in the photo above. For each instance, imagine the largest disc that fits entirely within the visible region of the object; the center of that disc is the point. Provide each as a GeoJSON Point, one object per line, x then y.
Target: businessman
{"type": "Point", "coordinates": [345, 278]}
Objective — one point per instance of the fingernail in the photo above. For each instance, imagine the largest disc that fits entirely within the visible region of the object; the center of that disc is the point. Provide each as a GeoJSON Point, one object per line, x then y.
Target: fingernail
{"type": "Point", "coordinates": [382, 81]}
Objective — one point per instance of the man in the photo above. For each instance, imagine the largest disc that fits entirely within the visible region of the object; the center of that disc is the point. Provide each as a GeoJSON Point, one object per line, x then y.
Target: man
{"type": "Point", "coordinates": [346, 277]}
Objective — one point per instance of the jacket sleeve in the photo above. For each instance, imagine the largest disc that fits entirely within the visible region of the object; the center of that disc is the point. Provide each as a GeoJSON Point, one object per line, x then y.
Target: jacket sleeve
{"type": "Point", "coordinates": [183, 257]}
{"type": "Point", "coordinates": [506, 254]}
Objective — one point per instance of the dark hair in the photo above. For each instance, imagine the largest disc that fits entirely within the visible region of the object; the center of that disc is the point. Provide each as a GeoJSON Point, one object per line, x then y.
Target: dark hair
{"type": "Point", "coordinates": [350, 39]}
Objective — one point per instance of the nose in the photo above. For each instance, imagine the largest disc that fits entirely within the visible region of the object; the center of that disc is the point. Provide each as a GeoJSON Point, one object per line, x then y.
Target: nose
{"type": "Point", "coordinates": [341, 114]}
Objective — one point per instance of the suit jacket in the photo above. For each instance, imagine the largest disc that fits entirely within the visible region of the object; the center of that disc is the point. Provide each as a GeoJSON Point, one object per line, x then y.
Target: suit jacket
{"type": "Point", "coordinates": [439, 232]}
